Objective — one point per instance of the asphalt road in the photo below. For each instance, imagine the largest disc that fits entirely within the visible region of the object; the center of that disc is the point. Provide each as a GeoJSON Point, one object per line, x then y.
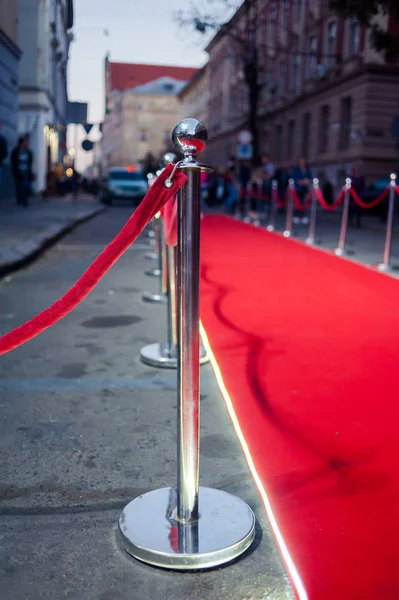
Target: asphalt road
{"type": "Point", "coordinates": [85, 427]}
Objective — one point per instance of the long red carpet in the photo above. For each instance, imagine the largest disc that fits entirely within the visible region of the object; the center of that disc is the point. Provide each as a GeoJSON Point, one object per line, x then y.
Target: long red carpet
{"type": "Point", "coordinates": [308, 346]}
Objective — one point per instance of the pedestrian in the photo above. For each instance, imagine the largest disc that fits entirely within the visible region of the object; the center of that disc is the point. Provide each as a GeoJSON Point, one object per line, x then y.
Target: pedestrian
{"type": "Point", "coordinates": [231, 163]}
{"type": "Point", "coordinates": [22, 170]}
{"type": "Point", "coordinates": [281, 175]}
{"type": "Point", "coordinates": [231, 191]}
{"type": "Point", "coordinates": [244, 178]}
{"type": "Point", "coordinates": [3, 150]}
{"type": "Point", "coordinates": [302, 177]}
{"type": "Point", "coordinates": [355, 211]}
{"type": "Point", "coordinates": [75, 181]}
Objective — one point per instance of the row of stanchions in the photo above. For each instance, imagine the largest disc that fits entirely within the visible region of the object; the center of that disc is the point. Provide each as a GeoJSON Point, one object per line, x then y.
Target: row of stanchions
{"type": "Point", "coordinates": [185, 527]}
{"type": "Point", "coordinates": [312, 200]}
{"type": "Point", "coordinates": [164, 354]}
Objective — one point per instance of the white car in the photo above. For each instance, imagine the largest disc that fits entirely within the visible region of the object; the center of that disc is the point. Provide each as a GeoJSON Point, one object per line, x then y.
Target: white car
{"type": "Point", "coordinates": [124, 183]}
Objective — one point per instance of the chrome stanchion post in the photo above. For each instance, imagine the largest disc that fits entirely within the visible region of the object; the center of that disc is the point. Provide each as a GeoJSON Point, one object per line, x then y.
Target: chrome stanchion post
{"type": "Point", "coordinates": [385, 265]}
{"type": "Point", "coordinates": [290, 209]}
{"type": "Point", "coordinates": [160, 297]}
{"type": "Point", "coordinates": [313, 214]}
{"type": "Point", "coordinates": [273, 207]}
{"type": "Point", "coordinates": [156, 226]}
{"type": "Point", "coordinates": [212, 527]}
{"type": "Point", "coordinates": [340, 250]}
{"type": "Point", "coordinates": [160, 253]}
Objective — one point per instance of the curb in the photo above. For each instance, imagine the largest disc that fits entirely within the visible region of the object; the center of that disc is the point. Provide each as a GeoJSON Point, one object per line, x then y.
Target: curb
{"type": "Point", "coordinates": [24, 253]}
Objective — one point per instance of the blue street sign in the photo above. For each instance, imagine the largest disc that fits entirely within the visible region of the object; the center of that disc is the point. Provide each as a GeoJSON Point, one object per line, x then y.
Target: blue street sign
{"type": "Point", "coordinates": [244, 151]}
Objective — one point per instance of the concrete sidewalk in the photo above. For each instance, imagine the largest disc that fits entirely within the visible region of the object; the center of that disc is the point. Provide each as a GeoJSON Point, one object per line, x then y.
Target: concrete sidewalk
{"type": "Point", "coordinates": [26, 231]}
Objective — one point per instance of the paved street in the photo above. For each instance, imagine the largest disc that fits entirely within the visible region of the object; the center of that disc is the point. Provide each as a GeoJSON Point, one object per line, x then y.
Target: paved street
{"type": "Point", "coordinates": [85, 427]}
{"type": "Point", "coordinates": [25, 230]}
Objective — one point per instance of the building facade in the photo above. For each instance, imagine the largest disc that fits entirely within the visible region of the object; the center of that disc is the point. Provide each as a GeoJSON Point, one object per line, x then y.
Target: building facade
{"type": "Point", "coordinates": [9, 73]}
{"type": "Point", "coordinates": [45, 37]}
{"type": "Point", "coordinates": [326, 94]}
{"type": "Point", "coordinates": [194, 97]}
{"type": "Point", "coordinates": [142, 107]}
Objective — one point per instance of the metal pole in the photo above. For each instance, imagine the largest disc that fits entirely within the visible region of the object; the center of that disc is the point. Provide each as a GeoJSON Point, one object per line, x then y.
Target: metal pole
{"type": "Point", "coordinates": [156, 224]}
{"type": "Point", "coordinates": [290, 209]}
{"type": "Point", "coordinates": [313, 214]}
{"type": "Point", "coordinates": [213, 526]}
{"type": "Point", "coordinates": [385, 265]}
{"type": "Point", "coordinates": [188, 256]}
{"type": "Point", "coordinates": [340, 251]}
{"type": "Point", "coordinates": [172, 315]}
{"type": "Point", "coordinates": [273, 207]}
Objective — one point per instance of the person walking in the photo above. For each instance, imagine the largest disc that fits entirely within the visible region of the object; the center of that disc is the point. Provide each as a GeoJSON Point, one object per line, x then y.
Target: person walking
{"type": "Point", "coordinates": [22, 170]}
{"type": "Point", "coordinates": [302, 177]}
{"type": "Point", "coordinates": [3, 150]}
{"type": "Point", "coordinates": [355, 211]}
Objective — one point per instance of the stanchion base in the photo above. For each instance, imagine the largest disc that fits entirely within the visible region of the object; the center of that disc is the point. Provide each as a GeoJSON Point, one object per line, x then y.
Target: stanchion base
{"type": "Point", "coordinates": [247, 220]}
{"type": "Point", "coordinates": [153, 273]}
{"type": "Point", "coordinates": [287, 233]}
{"type": "Point", "coordinates": [150, 533]}
{"type": "Point", "coordinates": [151, 256]}
{"type": "Point", "coordinates": [155, 298]}
{"type": "Point", "coordinates": [384, 268]}
{"type": "Point", "coordinates": [343, 252]}
{"type": "Point", "coordinates": [270, 228]}
{"type": "Point", "coordinates": [310, 241]}
{"type": "Point", "coordinates": [159, 355]}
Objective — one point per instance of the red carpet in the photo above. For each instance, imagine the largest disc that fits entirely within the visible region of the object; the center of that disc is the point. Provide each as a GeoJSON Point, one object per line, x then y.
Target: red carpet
{"type": "Point", "coordinates": [308, 346]}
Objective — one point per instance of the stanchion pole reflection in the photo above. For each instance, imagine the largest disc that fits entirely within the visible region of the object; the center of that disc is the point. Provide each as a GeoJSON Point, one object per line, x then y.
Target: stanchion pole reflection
{"type": "Point", "coordinates": [208, 527]}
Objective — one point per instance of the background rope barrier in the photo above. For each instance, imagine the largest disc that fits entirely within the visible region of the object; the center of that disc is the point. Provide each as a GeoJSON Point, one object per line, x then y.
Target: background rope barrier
{"type": "Point", "coordinates": [372, 204]}
{"type": "Point", "coordinates": [335, 204]}
{"type": "Point", "coordinates": [157, 196]}
{"type": "Point", "coordinates": [298, 204]}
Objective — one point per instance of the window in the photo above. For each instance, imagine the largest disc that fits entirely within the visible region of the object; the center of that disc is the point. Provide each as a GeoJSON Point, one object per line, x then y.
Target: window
{"type": "Point", "coordinates": [298, 10]}
{"type": "Point", "coordinates": [286, 14]}
{"type": "Point", "coordinates": [312, 60]}
{"type": "Point", "coordinates": [272, 25]}
{"type": "Point", "coordinates": [291, 140]}
{"type": "Point", "coordinates": [324, 128]}
{"type": "Point", "coordinates": [354, 37]}
{"type": "Point", "coordinates": [279, 143]}
{"type": "Point", "coordinates": [296, 72]}
{"type": "Point", "coordinates": [282, 76]}
{"type": "Point", "coordinates": [331, 44]}
{"type": "Point", "coordinates": [306, 125]}
{"type": "Point", "coordinates": [346, 122]}
{"type": "Point", "coordinates": [143, 135]}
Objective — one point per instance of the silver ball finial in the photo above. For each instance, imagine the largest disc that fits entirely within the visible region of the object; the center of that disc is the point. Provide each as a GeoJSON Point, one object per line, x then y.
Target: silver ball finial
{"type": "Point", "coordinates": [189, 137]}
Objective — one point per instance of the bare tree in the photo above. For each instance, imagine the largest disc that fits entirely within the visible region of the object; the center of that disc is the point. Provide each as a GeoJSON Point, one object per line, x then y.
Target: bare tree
{"type": "Point", "coordinates": [241, 28]}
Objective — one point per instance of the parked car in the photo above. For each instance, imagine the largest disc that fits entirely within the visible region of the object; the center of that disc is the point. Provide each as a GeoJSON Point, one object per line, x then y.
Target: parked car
{"type": "Point", "coordinates": [372, 192]}
{"type": "Point", "coordinates": [124, 183]}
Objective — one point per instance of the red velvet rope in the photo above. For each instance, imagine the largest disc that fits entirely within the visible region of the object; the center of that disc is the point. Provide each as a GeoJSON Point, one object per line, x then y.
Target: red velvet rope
{"type": "Point", "coordinates": [169, 216]}
{"type": "Point", "coordinates": [280, 203]}
{"type": "Point", "coordinates": [157, 196]}
{"type": "Point", "coordinates": [375, 202]}
{"type": "Point", "coordinates": [335, 204]}
{"type": "Point", "coordinates": [298, 203]}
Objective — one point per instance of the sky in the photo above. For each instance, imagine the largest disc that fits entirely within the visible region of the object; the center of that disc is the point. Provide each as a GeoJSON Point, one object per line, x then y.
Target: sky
{"type": "Point", "coordinates": [141, 31]}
